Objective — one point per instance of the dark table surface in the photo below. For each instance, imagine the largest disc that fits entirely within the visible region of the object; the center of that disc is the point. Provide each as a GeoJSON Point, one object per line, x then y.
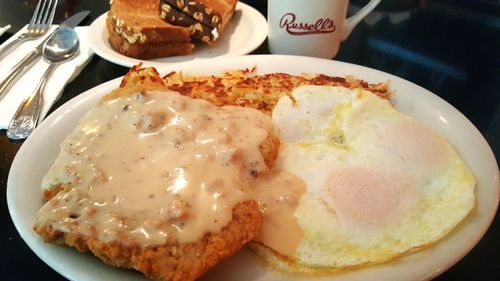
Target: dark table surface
{"type": "Point", "coordinates": [452, 48]}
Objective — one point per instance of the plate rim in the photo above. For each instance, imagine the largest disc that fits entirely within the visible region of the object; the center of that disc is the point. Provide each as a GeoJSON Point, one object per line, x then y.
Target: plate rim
{"type": "Point", "coordinates": [257, 38]}
{"type": "Point", "coordinates": [249, 60]}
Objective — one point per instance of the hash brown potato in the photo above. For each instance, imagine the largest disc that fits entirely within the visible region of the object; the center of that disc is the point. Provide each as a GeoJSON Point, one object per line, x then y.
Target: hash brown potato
{"type": "Point", "coordinates": [240, 87]}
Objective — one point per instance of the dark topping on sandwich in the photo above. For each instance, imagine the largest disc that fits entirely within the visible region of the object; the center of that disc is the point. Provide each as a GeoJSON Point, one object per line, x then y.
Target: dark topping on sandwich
{"type": "Point", "coordinates": [197, 11]}
{"type": "Point", "coordinates": [197, 29]}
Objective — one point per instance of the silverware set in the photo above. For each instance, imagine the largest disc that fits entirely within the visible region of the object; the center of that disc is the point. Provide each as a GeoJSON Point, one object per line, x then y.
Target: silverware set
{"type": "Point", "coordinates": [60, 46]}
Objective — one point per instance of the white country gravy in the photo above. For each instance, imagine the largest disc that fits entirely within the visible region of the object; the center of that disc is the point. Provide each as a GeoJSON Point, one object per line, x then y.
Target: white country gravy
{"type": "Point", "coordinates": [154, 167]}
{"type": "Point", "coordinates": [278, 194]}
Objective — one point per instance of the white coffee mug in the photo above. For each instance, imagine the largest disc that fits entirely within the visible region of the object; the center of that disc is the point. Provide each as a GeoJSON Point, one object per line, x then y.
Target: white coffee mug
{"type": "Point", "coordinates": [311, 27]}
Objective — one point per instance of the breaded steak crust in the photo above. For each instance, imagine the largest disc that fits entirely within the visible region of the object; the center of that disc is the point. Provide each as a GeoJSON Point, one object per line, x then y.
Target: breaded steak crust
{"type": "Point", "coordinates": [172, 261]}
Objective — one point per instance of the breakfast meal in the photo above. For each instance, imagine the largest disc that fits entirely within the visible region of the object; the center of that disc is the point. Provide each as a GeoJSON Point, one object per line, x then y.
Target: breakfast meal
{"type": "Point", "coordinates": [152, 29]}
{"type": "Point", "coordinates": [315, 173]}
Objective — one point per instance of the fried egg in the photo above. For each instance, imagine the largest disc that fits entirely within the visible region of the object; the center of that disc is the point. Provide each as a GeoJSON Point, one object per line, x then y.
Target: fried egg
{"type": "Point", "coordinates": [379, 183]}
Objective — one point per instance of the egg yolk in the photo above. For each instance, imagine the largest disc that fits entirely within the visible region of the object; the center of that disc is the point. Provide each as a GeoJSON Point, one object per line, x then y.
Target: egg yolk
{"type": "Point", "coordinates": [362, 195]}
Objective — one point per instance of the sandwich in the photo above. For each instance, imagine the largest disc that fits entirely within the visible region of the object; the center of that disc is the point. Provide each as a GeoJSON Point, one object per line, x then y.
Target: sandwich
{"type": "Point", "coordinates": [136, 30]}
{"type": "Point", "coordinates": [205, 19]}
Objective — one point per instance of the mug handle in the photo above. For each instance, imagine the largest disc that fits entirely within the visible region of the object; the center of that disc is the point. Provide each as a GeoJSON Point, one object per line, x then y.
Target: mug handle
{"type": "Point", "coordinates": [352, 21]}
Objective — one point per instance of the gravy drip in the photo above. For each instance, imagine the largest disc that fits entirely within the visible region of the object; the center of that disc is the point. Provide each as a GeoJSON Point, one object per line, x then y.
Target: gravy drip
{"type": "Point", "coordinates": [278, 194]}
{"type": "Point", "coordinates": [155, 167]}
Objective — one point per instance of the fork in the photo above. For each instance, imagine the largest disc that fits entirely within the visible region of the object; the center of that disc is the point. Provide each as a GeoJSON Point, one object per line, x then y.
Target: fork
{"type": "Point", "coordinates": [39, 24]}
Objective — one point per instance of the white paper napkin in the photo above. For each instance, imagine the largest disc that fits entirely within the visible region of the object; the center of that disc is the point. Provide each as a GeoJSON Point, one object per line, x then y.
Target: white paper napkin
{"type": "Point", "coordinates": [25, 86]}
{"type": "Point", "coordinates": [3, 29]}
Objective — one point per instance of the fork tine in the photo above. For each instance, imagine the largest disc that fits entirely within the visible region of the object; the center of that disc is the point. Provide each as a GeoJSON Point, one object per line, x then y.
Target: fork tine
{"type": "Point", "coordinates": [35, 14]}
{"type": "Point", "coordinates": [51, 17]}
{"type": "Point", "coordinates": [39, 16]}
{"type": "Point", "coordinates": [45, 15]}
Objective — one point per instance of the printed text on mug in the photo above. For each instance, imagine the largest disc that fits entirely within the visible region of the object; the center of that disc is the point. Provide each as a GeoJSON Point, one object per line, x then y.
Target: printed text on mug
{"type": "Point", "coordinates": [288, 22]}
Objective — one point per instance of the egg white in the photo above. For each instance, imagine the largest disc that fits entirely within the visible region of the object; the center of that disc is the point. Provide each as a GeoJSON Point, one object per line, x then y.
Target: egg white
{"type": "Point", "coordinates": [379, 183]}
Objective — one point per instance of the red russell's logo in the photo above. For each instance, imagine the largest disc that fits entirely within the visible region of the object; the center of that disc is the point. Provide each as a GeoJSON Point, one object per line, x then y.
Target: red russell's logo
{"type": "Point", "coordinates": [303, 28]}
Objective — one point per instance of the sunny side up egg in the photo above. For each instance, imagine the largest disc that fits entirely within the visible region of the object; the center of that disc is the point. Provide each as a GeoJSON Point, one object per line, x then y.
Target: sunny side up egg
{"type": "Point", "coordinates": [379, 183]}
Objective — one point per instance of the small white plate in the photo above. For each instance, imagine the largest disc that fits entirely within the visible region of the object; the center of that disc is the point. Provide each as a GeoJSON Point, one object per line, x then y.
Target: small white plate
{"type": "Point", "coordinates": [245, 32]}
{"type": "Point", "coordinates": [36, 155]}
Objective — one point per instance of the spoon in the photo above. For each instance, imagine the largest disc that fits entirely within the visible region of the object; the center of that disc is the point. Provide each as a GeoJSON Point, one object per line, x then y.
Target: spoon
{"type": "Point", "coordinates": [61, 46]}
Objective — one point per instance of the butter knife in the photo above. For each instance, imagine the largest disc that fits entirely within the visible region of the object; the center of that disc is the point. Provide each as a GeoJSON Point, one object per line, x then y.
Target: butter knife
{"type": "Point", "coordinates": [21, 67]}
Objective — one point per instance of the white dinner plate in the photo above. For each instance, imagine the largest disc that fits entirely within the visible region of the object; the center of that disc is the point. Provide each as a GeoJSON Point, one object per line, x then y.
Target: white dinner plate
{"type": "Point", "coordinates": [41, 148]}
{"type": "Point", "coordinates": [245, 32]}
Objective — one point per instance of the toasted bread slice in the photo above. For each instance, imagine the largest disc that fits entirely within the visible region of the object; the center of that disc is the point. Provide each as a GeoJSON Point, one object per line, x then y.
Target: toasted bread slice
{"type": "Point", "coordinates": [146, 50]}
{"type": "Point", "coordinates": [139, 21]}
